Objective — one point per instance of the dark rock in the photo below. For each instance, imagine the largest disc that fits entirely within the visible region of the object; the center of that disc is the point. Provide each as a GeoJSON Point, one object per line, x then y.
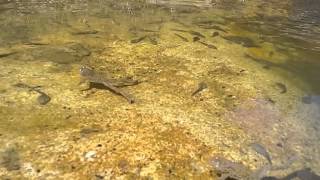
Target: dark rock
{"type": "Point", "coordinates": [10, 159]}
{"type": "Point", "coordinates": [43, 99]}
{"type": "Point", "coordinates": [62, 54]}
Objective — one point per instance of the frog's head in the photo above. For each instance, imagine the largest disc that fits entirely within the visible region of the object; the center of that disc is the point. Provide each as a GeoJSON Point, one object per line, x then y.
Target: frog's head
{"type": "Point", "coordinates": [86, 71]}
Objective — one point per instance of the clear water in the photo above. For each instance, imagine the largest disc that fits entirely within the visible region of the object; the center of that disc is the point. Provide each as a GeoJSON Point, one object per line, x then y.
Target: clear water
{"type": "Point", "coordinates": [257, 63]}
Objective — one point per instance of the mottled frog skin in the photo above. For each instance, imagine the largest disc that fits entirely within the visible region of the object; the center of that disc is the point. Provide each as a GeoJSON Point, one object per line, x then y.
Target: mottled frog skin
{"type": "Point", "coordinates": [229, 170]}
{"type": "Point", "coordinates": [92, 76]}
{"type": "Point", "coordinates": [226, 169]}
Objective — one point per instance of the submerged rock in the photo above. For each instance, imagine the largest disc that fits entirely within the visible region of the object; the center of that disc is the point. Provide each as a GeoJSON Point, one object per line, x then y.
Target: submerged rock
{"type": "Point", "coordinates": [10, 159]}
{"type": "Point", "coordinates": [303, 174]}
{"type": "Point", "coordinates": [62, 54]}
{"type": "Point", "coordinates": [256, 116]}
{"type": "Point", "coordinates": [311, 99]}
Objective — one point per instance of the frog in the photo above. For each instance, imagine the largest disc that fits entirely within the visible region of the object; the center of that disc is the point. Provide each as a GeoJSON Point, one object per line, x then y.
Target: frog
{"type": "Point", "coordinates": [90, 76]}
{"type": "Point", "coordinates": [227, 169]}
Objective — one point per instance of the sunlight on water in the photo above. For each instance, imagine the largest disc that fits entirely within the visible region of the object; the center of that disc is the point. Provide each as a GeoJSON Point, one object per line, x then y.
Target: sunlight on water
{"type": "Point", "coordinates": [159, 89]}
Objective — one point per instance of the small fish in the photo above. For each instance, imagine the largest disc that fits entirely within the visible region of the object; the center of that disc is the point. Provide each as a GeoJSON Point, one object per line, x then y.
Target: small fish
{"type": "Point", "coordinates": [181, 23]}
{"type": "Point", "coordinates": [179, 30]}
{"type": "Point", "coordinates": [262, 151]}
{"type": "Point", "coordinates": [195, 33]}
{"type": "Point", "coordinates": [212, 27]}
{"type": "Point", "coordinates": [218, 28]}
{"type": "Point", "coordinates": [141, 29]}
{"type": "Point", "coordinates": [244, 41]}
{"type": "Point", "coordinates": [208, 45]}
{"type": "Point", "coordinates": [32, 43]}
{"type": "Point", "coordinates": [181, 37]}
{"type": "Point", "coordinates": [156, 22]}
{"type": "Point", "coordinates": [205, 22]}
{"type": "Point", "coordinates": [201, 86]}
{"type": "Point", "coordinates": [138, 39]}
{"type": "Point", "coordinates": [23, 85]}
{"type": "Point", "coordinates": [85, 32]}
{"type": "Point", "coordinates": [147, 30]}
{"type": "Point", "coordinates": [153, 40]}
{"type": "Point", "coordinates": [5, 54]}
{"type": "Point", "coordinates": [282, 87]}
{"type": "Point", "coordinates": [266, 64]}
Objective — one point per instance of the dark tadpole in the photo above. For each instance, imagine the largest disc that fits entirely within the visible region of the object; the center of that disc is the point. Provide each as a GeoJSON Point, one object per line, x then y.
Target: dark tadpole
{"type": "Point", "coordinates": [201, 86]}
{"type": "Point", "coordinates": [195, 33]}
{"type": "Point", "coordinates": [43, 98]}
{"type": "Point", "coordinates": [138, 39]}
{"type": "Point", "coordinates": [208, 45]}
{"type": "Point", "coordinates": [178, 30]}
{"type": "Point", "coordinates": [195, 39]}
{"type": "Point", "coordinates": [215, 34]}
{"type": "Point", "coordinates": [35, 43]}
{"type": "Point", "coordinates": [212, 27]}
{"type": "Point", "coordinates": [23, 85]}
{"type": "Point", "coordinates": [85, 32]}
{"type": "Point", "coordinates": [181, 37]}
{"type": "Point", "coordinates": [262, 151]}
{"type": "Point", "coordinates": [282, 87]}
{"type": "Point", "coordinates": [5, 54]}
{"type": "Point", "coordinates": [89, 131]}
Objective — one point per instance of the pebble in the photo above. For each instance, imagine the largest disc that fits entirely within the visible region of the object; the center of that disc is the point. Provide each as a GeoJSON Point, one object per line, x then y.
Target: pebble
{"type": "Point", "coordinates": [90, 155]}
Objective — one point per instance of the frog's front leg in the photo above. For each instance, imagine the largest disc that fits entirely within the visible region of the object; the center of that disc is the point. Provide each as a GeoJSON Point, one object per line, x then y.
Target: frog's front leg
{"type": "Point", "coordinates": [84, 85]}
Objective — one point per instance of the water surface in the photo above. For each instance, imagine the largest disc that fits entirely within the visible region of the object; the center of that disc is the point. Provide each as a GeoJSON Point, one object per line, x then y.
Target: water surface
{"type": "Point", "coordinates": [257, 63]}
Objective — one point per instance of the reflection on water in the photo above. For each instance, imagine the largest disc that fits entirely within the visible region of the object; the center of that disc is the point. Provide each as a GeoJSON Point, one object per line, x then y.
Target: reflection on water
{"type": "Point", "coordinates": [209, 79]}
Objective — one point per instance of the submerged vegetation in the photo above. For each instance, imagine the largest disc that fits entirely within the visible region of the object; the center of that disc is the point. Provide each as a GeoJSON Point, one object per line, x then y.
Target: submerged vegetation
{"type": "Point", "coordinates": [216, 89]}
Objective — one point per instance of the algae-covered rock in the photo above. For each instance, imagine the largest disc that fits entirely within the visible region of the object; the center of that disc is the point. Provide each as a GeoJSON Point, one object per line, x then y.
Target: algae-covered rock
{"type": "Point", "coordinates": [62, 54]}
{"type": "Point", "coordinates": [10, 159]}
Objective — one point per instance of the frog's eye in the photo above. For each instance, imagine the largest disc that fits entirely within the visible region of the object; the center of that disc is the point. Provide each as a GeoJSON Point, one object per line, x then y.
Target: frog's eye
{"type": "Point", "coordinates": [81, 69]}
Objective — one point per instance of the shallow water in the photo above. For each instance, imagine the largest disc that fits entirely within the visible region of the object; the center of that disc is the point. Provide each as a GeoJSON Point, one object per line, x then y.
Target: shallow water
{"type": "Point", "coordinates": [214, 77]}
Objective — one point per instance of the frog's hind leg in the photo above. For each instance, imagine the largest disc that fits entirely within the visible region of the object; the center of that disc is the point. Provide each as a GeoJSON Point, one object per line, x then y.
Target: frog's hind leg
{"type": "Point", "coordinates": [116, 90]}
{"type": "Point", "coordinates": [124, 82]}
